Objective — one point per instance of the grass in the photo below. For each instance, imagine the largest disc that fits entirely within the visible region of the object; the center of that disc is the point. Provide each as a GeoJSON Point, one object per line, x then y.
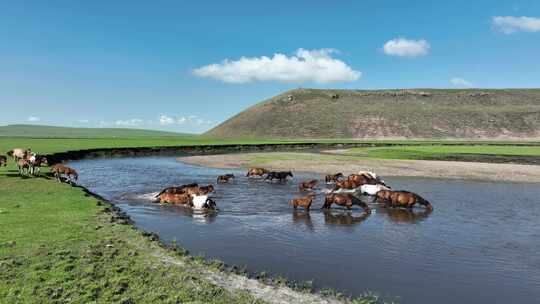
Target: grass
{"type": "Point", "coordinates": [67, 132]}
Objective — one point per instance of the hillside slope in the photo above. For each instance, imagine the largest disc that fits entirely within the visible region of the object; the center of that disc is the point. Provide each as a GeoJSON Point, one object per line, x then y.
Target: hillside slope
{"type": "Point", "coordinates": [391, 114]}
{"type": "Point", "coordinates": [38, 131]}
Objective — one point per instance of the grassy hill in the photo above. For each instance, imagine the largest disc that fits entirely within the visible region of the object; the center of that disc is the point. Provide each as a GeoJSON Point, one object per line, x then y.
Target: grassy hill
{"type": "Point", "coordinates": [37, 131]}
{"type": "Point", "coordinates": [390, 114]}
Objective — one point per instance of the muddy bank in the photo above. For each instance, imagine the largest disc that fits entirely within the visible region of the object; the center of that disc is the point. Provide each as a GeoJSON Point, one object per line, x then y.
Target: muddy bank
{"type": "Point", "coordinates": [317, 163]}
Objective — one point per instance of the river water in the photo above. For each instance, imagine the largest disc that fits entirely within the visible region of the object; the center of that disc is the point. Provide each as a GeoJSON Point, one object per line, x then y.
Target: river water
{"type": "Point", "coordinates": [481, 244]}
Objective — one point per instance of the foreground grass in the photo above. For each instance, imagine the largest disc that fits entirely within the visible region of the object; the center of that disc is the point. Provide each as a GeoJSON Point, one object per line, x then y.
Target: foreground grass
{"type": "Point", "coordinates": [58, 246]}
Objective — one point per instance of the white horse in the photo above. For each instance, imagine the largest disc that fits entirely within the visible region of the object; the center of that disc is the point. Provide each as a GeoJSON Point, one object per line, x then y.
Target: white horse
{"type": "Point", "coordinates": [372, 189]}
{"type": "Point", "coordinates": [201, 202]}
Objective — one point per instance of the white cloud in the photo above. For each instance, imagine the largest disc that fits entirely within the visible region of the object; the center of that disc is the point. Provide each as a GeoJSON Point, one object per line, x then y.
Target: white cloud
{"type": "Point", "coordinates": [511, 24]}
{"type": "Point", "coordinates": [406, 48]}
{"type": "Point", "coordinates": [191, 119]}
{"type": "Point", "coordinates": [33, 119]}
{"type": "Point", "coordinates": [83, 121]}
{"type": "Point", "coordinates": [103, 124]}
{"type": "Point", "coordinates": [166, 120]}
{"type": "Point", "coordinates": [129, 123]}
{"type": "Point", "coordinates": [316, 66]}
{"type": "Point", "coordinates": [460, 82]}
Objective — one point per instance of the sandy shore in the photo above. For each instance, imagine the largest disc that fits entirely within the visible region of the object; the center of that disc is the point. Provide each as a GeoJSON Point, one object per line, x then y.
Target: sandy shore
{"type": "Point", "coordinates": [317, 163]}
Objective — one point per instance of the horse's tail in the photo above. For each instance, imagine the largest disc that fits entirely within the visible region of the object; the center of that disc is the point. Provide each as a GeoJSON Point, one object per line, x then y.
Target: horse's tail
{"type": "Point", "coordinates": [422, 201]}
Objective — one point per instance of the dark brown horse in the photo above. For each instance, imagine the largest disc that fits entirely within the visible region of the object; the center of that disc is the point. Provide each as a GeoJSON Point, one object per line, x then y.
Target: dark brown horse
{"type": "Point", "coordinates": [203, 190]}
{"type": "Point", "coordinates": [279, 175]}
{"type": "Point", "coordinates": [402, 199]}
{"type": "Point", "coordinates": [304, 202]}
{"type": "Point", "coordinates": [260, 172]}
{"type": "Point", "coordinates": [310, 185]}
{"type": "Point", "coordinates": [224, 178]}
{"type": "Point", "coordinates": [332, 178]}
{"type": "Point", "coordinates": [3, 161]}
{"type": "Point", "coordinates": [345, 200]}
{"type": "Point", "coordinates": [59, 169]}
{"type": "Point", "coordinates": [36, 161]}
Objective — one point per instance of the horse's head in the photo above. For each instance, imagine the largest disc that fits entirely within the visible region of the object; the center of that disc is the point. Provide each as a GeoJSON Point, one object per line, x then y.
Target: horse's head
{"type": "Point", "coordinates": [289, 173]}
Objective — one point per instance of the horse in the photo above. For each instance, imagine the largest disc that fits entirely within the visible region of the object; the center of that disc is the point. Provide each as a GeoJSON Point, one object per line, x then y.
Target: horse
{"type": "Point", "coordinates": [224, 178]}
{"type": "Point", "coordinates": [187, 188]}
{"type": "Point", "coordinates": [345, 200]}
{"type": "Point", "coordinates": [59, 169]}
{"type": "Point", "coordinates": [3, 161]}
{"type": "Point", "coordinates": [279, 175]}
{"type": "Point", "coordinates": [19, 153]}
{"type": "Point", "coordinates": [36, 161]}
{"type": "Point", "coordinates": [175, 199]}
{"type": "Point", "coordinates": [23, 165]}
{"type": "Point", "coordinates": [372, 189]}
{"type": "Point", "coordinates": [346, 184]}
{"type": "Point", "coordinates": [333, 177]}
{"type": "Point", "coordinates": [310, 185]}
{"type": "Point", "coordinates": [372, 176]}
{"type": "Point", "coordinates": [200, 202]}
{"type": "Point", "coordinates": [304, 202]}
{"type": "Point", "coordinates": [362, 180]}
{"type": "Point", "coordinates": [260, 172]}
{"type": "Point", "coordinates": [205, 190]}
{"type": "Point", "coordinates": [403, 199]}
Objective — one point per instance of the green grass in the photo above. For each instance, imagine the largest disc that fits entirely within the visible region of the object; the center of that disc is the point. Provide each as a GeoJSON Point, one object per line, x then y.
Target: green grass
{"type": "Point", "coordinates": [40, 131]}
{"type": "Point", "coordinates": [439, 151]}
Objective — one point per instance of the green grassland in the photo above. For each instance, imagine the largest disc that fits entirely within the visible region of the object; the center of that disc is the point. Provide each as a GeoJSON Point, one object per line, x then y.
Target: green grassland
{"type": "Point", "coordinates": [39, 131]}
{"type": "Point", "coordinates": [58, 246]}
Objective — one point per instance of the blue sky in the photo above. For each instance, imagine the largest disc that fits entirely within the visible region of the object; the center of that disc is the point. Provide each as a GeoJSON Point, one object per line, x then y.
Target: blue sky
{"type": "Point", "coordinates": [147, 64]}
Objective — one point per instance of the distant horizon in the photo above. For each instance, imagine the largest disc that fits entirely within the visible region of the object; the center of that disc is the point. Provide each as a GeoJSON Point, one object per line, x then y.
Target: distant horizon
{"type": "Point", "coordinates": [187, 66]}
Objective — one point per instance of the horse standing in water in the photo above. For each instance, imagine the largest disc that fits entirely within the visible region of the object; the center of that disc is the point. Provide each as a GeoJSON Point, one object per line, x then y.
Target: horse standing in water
{"type": "Point", "coordinates": [308, 185]}
{"type": "Point", "coordinates": [402, 199]}
{"type": "Point", "coordinates": [304, 202]}
{"type": "Point", "coordinates": [279, 175]}
{"type": "Point", "coordinates": [188, 188]}
{"type": "Point", "coordinates": [332, 178]}
{"type": "Point", "coordinates": [3, 161]}
{"type": "Point", "coordinates": [346, 184]}
{"type": "Point", "coordinates": [224, 178]}
{"type": "Point", "coordinates": [175, 199]}
{"type": "Point", "coordinates": [345, 200]}
{"type": "Point", "coordinates": [260, 172]}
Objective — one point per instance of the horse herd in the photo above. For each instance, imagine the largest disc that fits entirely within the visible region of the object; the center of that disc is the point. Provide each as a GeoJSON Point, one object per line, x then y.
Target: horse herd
{"type": "Point", "coordinates": [364, 182]}
{"type": "Point", "coordinates": [29, 163]}
{"type": "Point", "coordinates": [197, 197]}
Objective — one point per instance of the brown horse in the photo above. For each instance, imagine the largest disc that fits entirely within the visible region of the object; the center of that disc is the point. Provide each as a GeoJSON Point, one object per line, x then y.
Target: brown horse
{"type": "Point", "coordinates": [36, 161]}
{"type": "Point", "coordinates": [333, 177]}
{"type": "Point", "coordinates": [345, 200]}
{"type": "Point", "coordinates": [346, 184]}
{"type": "Point", "coordinates": [24, 166]}
{"type": "Point", "coordinates": [3, 161]}
{"type": "Point", "coordinates": [402, 199]}
{"type": "Point", "coordinates": [304, 202]}
{"type": "Point", "coordinates": [260, 172]}
{"type": "Point", "coordinates": [192, 188]}
{"type": "Point", "coordinates": [361, 179]}
{"type": "Point", "coordinates": [224, 178]}
{"type": "Point", "coordinates": [308, 185]}
{"type": "Point", "coordinates": [204, 190]}
{"type": "Point", "coordinates": [59, 169]}
{"type": "Point", "coordinates": [175, 199]}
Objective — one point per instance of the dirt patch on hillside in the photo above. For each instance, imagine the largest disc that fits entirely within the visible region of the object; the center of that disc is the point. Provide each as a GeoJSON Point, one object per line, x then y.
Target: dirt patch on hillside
{"type": "Point", "coordinates": [317, 163]}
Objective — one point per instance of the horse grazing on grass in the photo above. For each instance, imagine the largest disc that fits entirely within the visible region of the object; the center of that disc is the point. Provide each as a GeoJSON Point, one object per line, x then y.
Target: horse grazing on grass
{"type": "Point", "coordinates": [24, 166]}
{"type": "Point", "coordinates": [58, 170]}
{"type": "Point", "coordinates": [224, 178]}
{"type": "Point", "coordinates": [310, 185]}
{"type": "Point", "coordinates": [402, 199]}
{"type": "Point", "coordinates": [279, 175]}
{"type": "Point", "coordinates": [36, 161]}
{"type": "Point", "coordinates": [345, 200]}
{"type": "Point", "coordinates": [304, 202]}
{"type": "Point", "coordinates": [260, 172]}
{"type": "Point", "coordinates": [19, 153]}
{"type": "Point", "coordinates": [332, 178]}
{"type": "Point", "coordinates": [175, 199]}
{"type": "Point", "coordinates": [3, 161]}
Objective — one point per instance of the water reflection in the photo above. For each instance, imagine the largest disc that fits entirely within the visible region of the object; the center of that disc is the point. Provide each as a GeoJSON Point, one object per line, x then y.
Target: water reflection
{"type": "Point", "coordinates": [399, 215]}
{"type": "Point", "coordinates": [344, 218]}
{"type": "Point", "coordinates": [300, 217]}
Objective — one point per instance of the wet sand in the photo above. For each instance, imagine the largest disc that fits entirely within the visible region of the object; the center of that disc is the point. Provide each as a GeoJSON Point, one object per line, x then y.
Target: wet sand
{"type": "Point", "coordinates": [318, 163]}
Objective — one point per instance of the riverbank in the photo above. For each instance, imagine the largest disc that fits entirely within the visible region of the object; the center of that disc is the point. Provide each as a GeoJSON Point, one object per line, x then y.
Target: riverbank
{"type": "Point", "coordinates": [330, 163]}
